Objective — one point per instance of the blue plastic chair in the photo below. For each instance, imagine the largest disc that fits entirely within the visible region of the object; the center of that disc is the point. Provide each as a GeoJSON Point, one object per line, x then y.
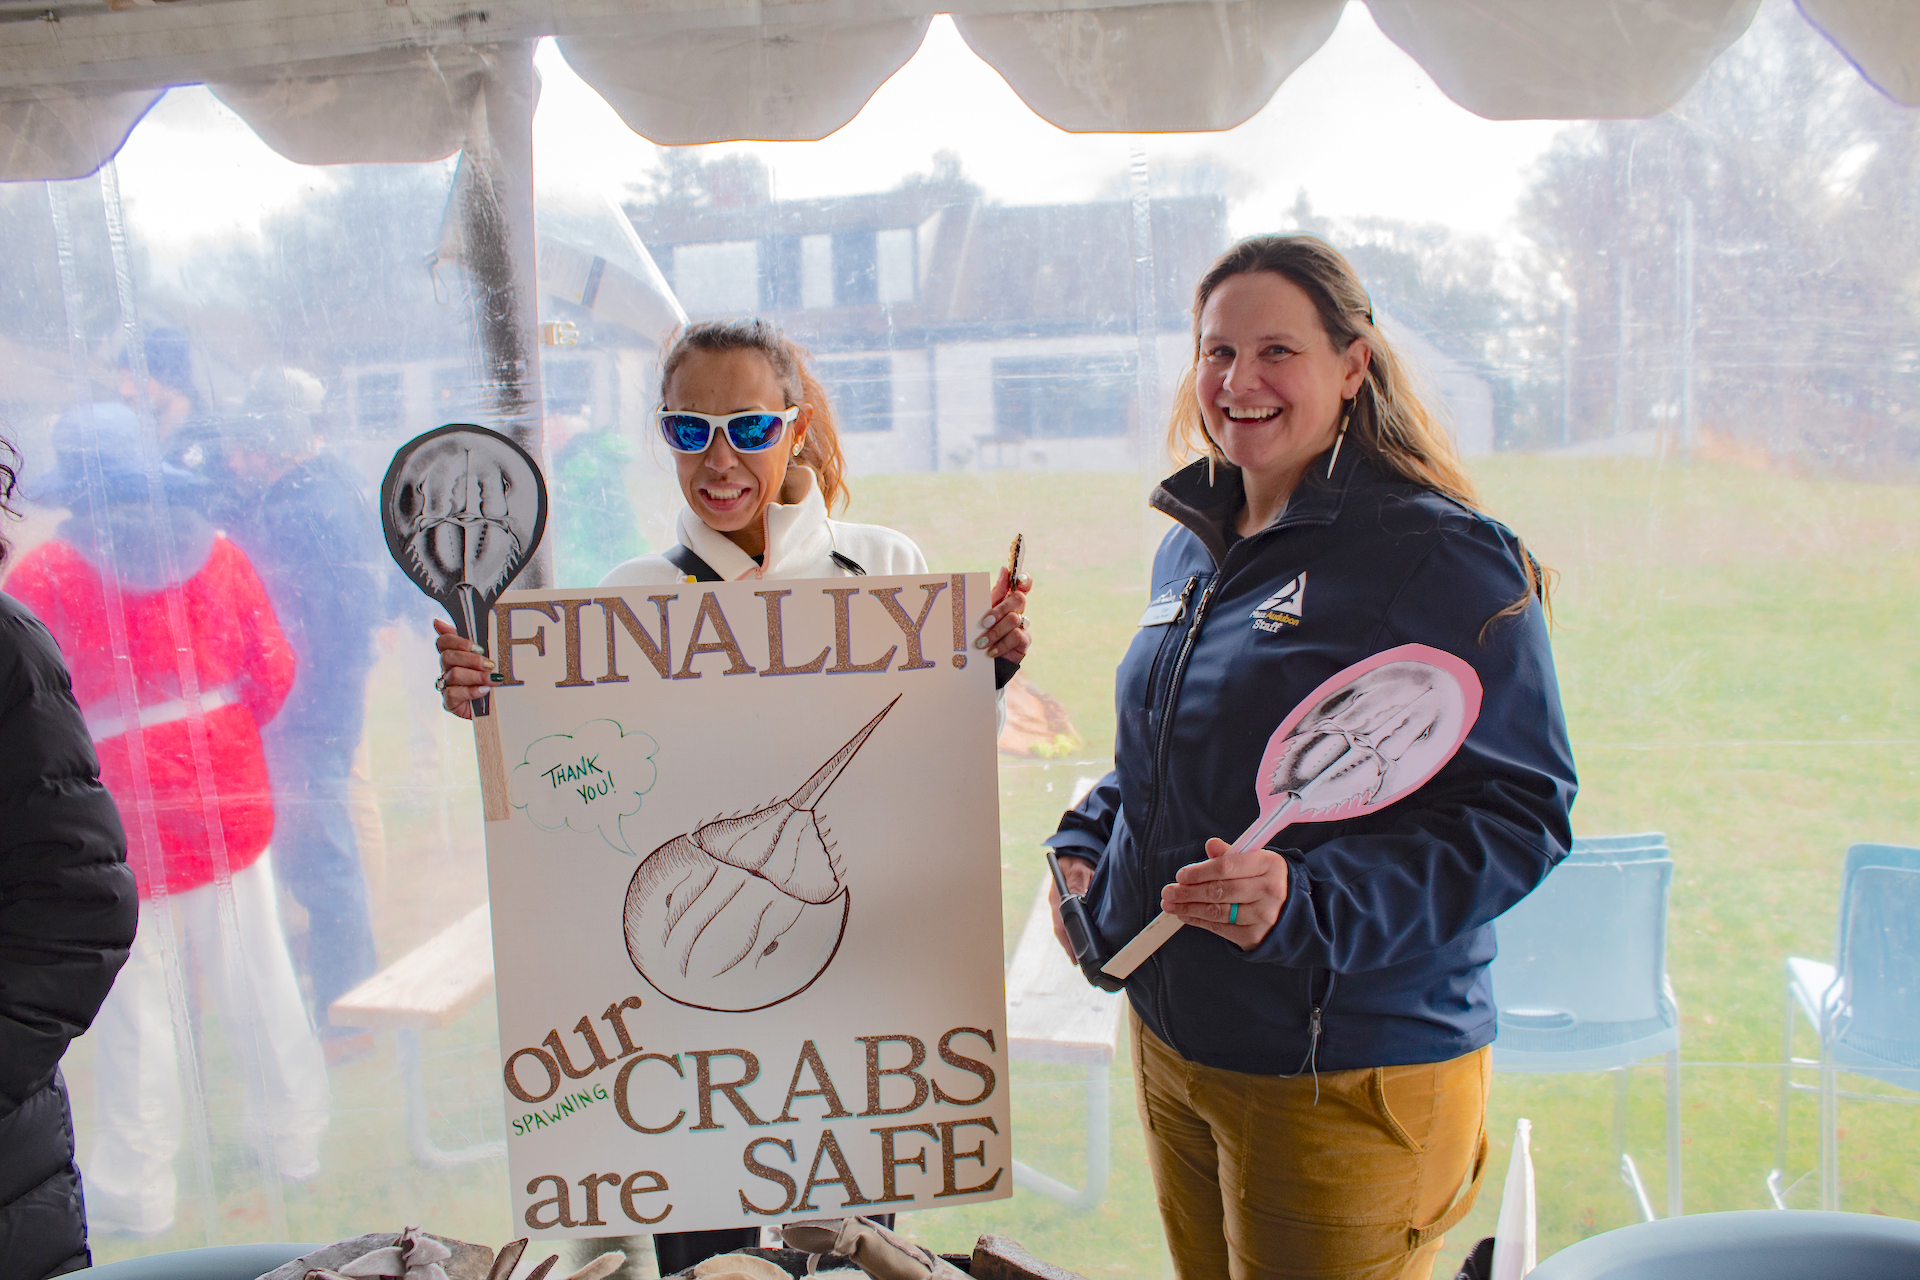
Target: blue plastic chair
{"type": "Point", "coordinates": [1754, 1244]}
{"type": "Point", "coordinates": [1580, 981]}
{"type": "Point", "coordinates": [1620, 844]}
{"type": "Point", "coordinates": [221, 1262]}
{"type": "Point", "coordinates": [1865, 1007]}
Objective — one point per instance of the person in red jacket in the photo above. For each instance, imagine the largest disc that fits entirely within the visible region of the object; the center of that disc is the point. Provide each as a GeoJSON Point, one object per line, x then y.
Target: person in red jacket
{"type": "Point", "coordinates": [177, 661]}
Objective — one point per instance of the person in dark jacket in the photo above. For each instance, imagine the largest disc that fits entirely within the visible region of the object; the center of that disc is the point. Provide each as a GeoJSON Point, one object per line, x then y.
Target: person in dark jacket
{"type": "Point", "coordinates": [304, 521]}
{"type": "Point", "coordinates": [67, 915]}
{"type": "Point", "coordinates": [1310, 1051]}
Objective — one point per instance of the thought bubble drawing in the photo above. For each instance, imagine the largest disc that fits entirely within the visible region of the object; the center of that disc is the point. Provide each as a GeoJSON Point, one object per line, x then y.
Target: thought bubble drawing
{"type": "Point", "coordinates": [746, 911]}
{"type": "Point", "coordinates": [585, 781]}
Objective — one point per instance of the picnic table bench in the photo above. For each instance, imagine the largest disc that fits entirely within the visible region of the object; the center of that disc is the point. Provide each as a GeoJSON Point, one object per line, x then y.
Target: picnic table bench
{"type": "Point", "coordinates": [1055, 1015]}
{"type": "Point", "coordinates": [427, 989]}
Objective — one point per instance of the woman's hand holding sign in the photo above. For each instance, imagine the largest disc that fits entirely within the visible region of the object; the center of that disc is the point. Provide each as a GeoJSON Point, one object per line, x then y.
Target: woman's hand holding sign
{"type": "Point", "coordinates": [1236, 895]}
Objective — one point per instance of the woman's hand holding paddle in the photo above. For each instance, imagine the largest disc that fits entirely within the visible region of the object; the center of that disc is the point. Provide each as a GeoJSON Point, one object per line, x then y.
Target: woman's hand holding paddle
{"type": "Point", "coordinates": [465, 672]}
{"type": "Point", "coordinates": [1236, 895]}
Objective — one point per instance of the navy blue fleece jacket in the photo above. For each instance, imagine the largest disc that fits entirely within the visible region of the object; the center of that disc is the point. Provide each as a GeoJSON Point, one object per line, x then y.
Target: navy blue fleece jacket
{"type": "Point", "coordinates": [1387, 928]}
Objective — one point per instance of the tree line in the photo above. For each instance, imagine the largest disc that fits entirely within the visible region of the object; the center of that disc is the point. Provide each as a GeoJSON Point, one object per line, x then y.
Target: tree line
{"type": "Point", "coordinates": [1741, 270]}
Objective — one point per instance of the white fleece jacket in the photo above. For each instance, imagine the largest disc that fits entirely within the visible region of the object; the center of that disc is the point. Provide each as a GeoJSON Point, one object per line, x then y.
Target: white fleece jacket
{"type": "Point", "coordinates": [800, 538]}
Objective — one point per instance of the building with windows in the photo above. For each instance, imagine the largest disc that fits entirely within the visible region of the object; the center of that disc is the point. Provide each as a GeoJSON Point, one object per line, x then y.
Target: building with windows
{"type": "Point", "coordinates": [955, 333]}
{"type": "Point", "coordinates": [952, 332]}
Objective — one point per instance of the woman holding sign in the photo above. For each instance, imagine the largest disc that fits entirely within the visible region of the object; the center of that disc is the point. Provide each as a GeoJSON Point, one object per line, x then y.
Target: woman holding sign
{"type": "Point", "coordinates": [1311, 1050]}
{"type": "Point", "coordinates": [754, 443]}
{"type": "Point", "coordinates": [758, 456]}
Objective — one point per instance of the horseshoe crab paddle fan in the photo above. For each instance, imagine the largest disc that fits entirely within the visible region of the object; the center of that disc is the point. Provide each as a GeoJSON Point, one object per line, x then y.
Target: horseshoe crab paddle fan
{"type": "Point", "coordinates": [464, 508]}
{"type": "Point", "coordinates": [1368, 736]}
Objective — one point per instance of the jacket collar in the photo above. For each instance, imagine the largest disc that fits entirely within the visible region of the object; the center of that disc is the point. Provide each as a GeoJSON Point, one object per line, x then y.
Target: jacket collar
{"type": "Point", "coordinates": [1204, 506]}
{"type": "Point", "coordinates": [797, 534]}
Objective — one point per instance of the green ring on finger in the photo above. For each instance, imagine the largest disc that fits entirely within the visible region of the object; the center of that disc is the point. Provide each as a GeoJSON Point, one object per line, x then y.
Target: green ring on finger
{"type": "Point", "coordinates": [1233, 914]}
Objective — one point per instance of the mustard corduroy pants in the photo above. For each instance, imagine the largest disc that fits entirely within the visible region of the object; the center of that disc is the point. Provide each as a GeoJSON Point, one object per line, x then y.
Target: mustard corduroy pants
{"type": "Point", "coordinates": [1258, 1178]}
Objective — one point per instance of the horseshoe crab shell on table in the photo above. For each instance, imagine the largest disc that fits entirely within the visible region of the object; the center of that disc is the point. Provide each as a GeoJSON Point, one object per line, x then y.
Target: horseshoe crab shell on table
{"type": "Point", "coordinates": [744, 912]}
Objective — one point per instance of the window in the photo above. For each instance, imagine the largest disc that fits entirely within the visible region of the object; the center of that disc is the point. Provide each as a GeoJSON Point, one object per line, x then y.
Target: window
{"type": "Point", "coordinates": [862, 392]}
{"type": "Point", "coordinates": [816, 271]}
{"type": "Point", "coordinates": [378, 402]}
{"type": "Point", "coordinates": [780, 274]}
{"type": "Point", "coordinates": [453, 394]}
{"type": "Point", "coordinates": [721, 279]}
{"type": "Point", "coordinates": [1055, 397]}
{"type": "Point", "coordinates": [894, 265]}
{"type": "Point", "coordinates": [854, 282]}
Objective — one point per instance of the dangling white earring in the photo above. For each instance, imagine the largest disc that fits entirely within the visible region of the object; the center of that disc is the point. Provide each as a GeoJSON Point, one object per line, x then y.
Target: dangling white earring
{"type": "Point", "coordinates": [1339, 439]}
{"type": "Point", "coordinates": [1213, 452]}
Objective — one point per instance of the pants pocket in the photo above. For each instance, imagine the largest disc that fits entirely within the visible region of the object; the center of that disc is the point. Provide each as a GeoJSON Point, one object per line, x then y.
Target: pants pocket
{"type": "Point", "coordinates": [1420, 1236]}
{"type": "Point", "coordinates": [1459, 1124]}
{"type": "Point", "coordinates": [1405, 1098]}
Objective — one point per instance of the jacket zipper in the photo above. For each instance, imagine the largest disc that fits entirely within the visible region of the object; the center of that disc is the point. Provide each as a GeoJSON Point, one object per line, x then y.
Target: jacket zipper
{"type": "Point", "coordinates": [1174, 679]}
{"type": "Point", "coordinates": [1153, 673]}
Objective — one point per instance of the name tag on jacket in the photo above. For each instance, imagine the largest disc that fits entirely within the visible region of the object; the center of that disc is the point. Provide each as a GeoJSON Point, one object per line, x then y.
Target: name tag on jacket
{"type": "Point", "coordinates": [1161, 612]}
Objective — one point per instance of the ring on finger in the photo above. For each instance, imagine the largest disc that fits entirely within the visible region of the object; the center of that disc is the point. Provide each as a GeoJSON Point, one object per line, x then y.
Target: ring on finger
{"type": "Point", "coordinates": [441, 683]}
{"type": "Point", "coordinates": [1233, 914]}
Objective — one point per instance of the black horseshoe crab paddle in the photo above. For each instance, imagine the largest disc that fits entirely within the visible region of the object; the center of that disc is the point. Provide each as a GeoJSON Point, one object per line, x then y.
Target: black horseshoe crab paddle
{"type": "Point", "coordinates": [464, 508]}
{"type": "Point", "coordinates": [1369, 735]}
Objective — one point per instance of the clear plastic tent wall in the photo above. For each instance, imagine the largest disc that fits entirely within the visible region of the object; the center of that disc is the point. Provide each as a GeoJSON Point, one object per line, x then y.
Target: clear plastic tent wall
{"type": "Point", "coordinates": [1659, 271]}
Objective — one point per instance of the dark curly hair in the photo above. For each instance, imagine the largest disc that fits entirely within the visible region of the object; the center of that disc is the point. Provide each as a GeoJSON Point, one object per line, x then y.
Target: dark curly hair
{"type": "Point", "coordinates": [9, 479]}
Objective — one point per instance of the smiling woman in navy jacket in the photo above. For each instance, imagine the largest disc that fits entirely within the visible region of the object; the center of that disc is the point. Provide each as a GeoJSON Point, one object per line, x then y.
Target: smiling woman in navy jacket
{"type": "Point", "coordinates": [1311, 1055]}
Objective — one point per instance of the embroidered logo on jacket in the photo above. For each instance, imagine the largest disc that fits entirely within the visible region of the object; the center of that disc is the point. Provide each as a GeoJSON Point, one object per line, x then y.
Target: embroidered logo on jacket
{"type": "Point", "coordinates": [1282, 608]}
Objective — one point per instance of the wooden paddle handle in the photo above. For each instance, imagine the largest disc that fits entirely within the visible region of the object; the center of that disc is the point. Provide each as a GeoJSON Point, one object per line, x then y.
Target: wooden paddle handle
{"type": "Point", "coordinates": [493, 766]}
{"type": "Point", "coordinates": [1263, 829]}
{"type": "Point", "coordinates": [1166, 924]}
{"type": "Point", "coordinates": [1144, 944]}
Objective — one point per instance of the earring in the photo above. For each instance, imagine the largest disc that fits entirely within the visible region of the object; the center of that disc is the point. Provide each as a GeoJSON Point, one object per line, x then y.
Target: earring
{"type": "Point", "coordinates": [1340, 439]}
{"type": "Point", "coordinates": [1213, 451]}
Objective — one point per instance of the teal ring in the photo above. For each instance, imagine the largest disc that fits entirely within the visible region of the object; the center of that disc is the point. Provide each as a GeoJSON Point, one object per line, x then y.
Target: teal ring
{"type": "Point", "coordinates": [1233, 914]}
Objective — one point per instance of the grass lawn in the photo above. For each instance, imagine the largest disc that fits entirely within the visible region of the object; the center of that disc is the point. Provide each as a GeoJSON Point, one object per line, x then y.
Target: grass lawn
{"type": "Point", "coordinates": [1736, 674]}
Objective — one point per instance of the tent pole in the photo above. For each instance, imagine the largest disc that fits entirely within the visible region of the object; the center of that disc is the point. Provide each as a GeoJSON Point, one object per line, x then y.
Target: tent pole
{"type": "Point", "coordinates": [494, 194]}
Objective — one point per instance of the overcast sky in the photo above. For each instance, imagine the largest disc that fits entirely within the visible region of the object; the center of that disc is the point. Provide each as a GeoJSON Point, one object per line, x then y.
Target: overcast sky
{"type": "Point", "coordinates": [193, 171]}
{"type": "Point", "coordinates": [1426, 159]}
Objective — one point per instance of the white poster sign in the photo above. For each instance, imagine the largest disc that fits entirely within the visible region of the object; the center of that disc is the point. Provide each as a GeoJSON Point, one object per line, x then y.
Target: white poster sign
{"type": "Point", "coordinates": [746, 904]}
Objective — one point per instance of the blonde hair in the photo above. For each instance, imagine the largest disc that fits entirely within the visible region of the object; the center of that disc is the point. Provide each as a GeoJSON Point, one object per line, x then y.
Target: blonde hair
{"type": "Point", "coordinates": [1387, 419]}
{"type": "Point", "coordinates": [793, 370]}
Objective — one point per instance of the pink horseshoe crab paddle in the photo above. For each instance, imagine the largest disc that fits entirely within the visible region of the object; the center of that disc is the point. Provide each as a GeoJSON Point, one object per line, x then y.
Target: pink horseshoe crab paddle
{"type": "Point", "coordinates": [1369, 735]}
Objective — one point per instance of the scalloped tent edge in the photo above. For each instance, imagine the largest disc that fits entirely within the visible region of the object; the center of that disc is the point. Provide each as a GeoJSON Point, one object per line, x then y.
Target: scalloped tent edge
{"type": "Point", "coordinates": [373, 80]}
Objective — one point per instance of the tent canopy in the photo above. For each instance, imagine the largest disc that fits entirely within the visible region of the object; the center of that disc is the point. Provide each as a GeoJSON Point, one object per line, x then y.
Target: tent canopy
{"type": "Point", "coordinates": [338, 81]}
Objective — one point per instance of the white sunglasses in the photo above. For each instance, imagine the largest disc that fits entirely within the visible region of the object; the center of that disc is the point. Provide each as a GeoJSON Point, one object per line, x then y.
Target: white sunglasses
{"type": "Point", "coordinates": [751, 432]}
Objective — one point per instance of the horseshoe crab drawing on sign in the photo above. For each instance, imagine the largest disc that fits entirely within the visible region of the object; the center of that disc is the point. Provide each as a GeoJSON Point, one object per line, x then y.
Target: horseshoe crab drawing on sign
{"type": "Point", "coordinates": [747, 911]}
